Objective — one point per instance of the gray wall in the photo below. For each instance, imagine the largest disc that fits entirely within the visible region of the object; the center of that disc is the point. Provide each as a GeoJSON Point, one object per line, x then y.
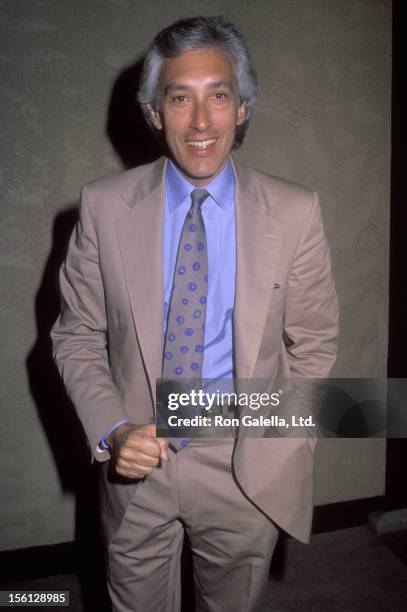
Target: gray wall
{"type": "Point", "coordinates": [323, 118]}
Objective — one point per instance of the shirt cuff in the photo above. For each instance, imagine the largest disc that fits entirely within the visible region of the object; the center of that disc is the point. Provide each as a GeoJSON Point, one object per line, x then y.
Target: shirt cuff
{"type": "Point", "coordinates": [102, 442]}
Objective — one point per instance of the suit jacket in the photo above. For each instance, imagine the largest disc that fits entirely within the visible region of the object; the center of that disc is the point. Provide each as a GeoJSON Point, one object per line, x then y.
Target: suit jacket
{"type": "Point", "coordinates": [108, 340]}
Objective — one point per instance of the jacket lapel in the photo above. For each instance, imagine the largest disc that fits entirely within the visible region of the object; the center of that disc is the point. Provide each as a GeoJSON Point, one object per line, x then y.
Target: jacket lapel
{"type": "Point", "coordinates": [259, 238]}
{"type": "Point", "coordinates": [140, 237]}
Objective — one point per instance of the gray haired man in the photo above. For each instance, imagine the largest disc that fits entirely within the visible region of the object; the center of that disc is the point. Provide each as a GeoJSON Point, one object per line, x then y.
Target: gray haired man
{"type": "Point", "coordinates": [194, 265]}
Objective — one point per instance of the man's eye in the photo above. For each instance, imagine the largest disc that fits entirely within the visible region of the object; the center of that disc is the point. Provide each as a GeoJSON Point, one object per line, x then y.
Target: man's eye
{"type": "Point", "coordinates": [179, 99]}
{"type": "Point", "coordinates": [220, 95]}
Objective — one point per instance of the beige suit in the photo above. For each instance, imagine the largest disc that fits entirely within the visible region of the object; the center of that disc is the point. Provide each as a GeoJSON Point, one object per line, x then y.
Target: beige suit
{"type": "Point", "coordinates": [108, 341]}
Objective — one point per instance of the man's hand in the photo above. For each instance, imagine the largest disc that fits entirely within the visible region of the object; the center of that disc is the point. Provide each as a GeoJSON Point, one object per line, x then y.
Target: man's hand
{"type": "Point", "coordinates": [135, 449]}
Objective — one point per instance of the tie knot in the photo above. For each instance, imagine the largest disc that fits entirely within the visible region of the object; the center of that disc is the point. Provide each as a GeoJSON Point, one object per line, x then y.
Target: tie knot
{"type": "Point", "coordinates": [198, 196]}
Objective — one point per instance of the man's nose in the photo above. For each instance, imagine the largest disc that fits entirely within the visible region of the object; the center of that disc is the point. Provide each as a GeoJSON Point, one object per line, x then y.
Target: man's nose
{"type": "Point", "coordinates": [200, 119]}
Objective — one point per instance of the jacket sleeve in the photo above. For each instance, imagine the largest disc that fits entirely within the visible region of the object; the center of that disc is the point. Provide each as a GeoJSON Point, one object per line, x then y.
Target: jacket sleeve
{"type": "Point", "coordinates": [311, 320]}
{"type": "Point", "coordinates": [79, 336]}
{"type": "Point", "coordinates": [311, 312]}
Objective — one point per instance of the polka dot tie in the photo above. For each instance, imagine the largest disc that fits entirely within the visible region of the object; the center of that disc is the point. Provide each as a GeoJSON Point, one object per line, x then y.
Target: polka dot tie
{"type": "Point", "coordinates": [184, 340]}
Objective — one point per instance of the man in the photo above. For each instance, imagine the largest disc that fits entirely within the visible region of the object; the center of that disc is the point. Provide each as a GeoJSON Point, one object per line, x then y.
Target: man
{"type": "Point", "coordinates": [267, 306]}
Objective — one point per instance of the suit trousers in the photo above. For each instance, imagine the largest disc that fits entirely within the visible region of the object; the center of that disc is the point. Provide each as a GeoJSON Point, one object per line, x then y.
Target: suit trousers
{"type": "Point", "coordinates": [231, 540]}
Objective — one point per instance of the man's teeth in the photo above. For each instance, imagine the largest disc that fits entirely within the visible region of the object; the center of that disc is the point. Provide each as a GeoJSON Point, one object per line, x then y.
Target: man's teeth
{"type": "Point", "coordinates": [201, 144]}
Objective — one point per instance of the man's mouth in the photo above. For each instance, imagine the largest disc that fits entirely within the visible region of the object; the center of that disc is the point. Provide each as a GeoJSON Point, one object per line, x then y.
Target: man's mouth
{"type": "Point", "coordinates": [201, 144]}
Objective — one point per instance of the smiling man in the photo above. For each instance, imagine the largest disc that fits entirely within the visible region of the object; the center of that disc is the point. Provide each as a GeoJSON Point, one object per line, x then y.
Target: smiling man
{"type": "Point", "coordinates": [199, 112]}
{"type": "Point", "coordinates": [194, 266]}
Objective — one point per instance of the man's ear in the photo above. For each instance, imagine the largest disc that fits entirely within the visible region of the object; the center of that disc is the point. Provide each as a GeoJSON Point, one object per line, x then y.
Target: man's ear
{"type": "Point", "coordinates": [155, 117]}
{"type": "Point", "coordinates": [241, 114]}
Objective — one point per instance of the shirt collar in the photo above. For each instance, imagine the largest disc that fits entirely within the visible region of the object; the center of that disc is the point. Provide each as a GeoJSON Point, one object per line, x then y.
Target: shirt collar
{"type": "Point", "coordinates": [221, 189]}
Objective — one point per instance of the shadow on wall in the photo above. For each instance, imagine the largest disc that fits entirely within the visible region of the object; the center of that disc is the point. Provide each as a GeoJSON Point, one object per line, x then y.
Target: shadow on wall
{"type": "Point", "coordinates": [126, 128]}
{"type": "Point", "coordinates": [60, 423]}
{"type": "Point", "coordinates": [133, 142]}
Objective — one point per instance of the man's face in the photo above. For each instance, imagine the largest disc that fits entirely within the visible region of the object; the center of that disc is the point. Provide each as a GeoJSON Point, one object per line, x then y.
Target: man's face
{"type": "Point", "coordinates": [199, 112]}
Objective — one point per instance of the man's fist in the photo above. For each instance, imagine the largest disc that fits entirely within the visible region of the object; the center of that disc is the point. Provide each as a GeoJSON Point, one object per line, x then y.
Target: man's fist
{"type": "Point", "coordinates": [135, 449]}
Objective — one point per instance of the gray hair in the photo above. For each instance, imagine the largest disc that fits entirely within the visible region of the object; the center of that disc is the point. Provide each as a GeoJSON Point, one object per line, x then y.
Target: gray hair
{"type": "Point", "coordinates": [197, 33]}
